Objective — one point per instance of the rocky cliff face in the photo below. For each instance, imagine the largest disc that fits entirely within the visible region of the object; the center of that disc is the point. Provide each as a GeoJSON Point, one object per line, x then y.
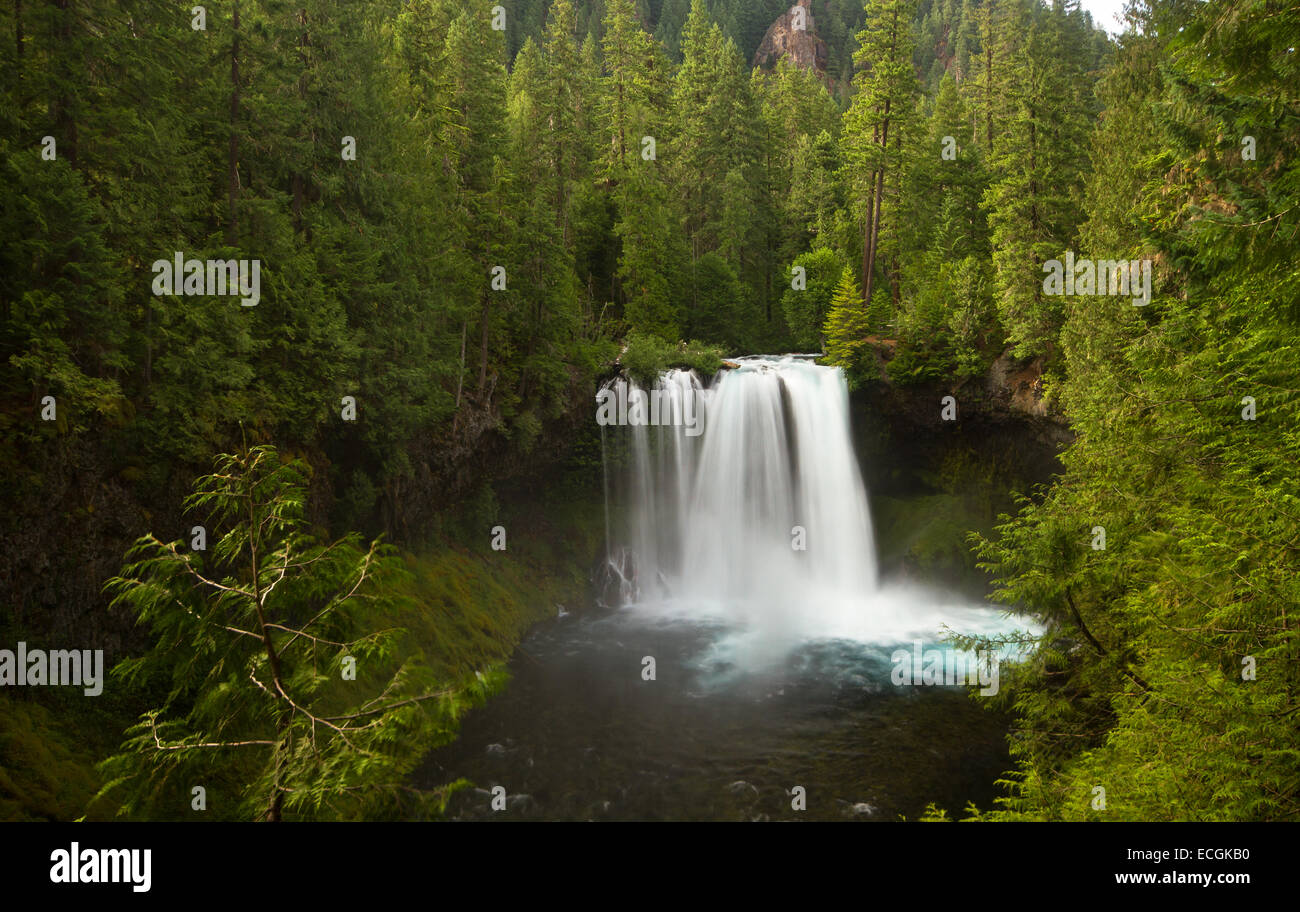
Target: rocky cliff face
{"type": "Point", "coordinates": [1005, 403]}
{"type": "Point", "coordinates": [794, 36]}
{"type": "Point", "coordinates": [1011, 389]}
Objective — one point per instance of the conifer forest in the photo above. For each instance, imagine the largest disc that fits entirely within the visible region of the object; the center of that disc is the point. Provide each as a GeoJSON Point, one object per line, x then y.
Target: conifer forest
{"type": "Point", "coordinates": [649, 410]}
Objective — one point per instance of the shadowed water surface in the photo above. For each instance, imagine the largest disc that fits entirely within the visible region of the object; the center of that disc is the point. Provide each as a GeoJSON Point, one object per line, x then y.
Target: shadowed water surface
{"type": "Point", "coordinates": [724, 732]}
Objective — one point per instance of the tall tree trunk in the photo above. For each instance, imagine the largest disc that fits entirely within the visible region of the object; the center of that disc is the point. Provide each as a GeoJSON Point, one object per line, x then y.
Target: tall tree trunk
{"type": "Point", "coordinates": [866, 244]}
{"type": "Point", "coordinates": [878, 196]}
{"type": "Point", "coordinates": [878, 184]}
{"type": "Point", "coordinates": [483, 348]}
{"type": "Point", "coordinates": [988, 76]}
{"type": "Point", "coordinates": [64, 117]}
{"type": "Point", "coordinates": [297, 180]}
{"type": "Point", "coordinates": [460, 377]}
{"type": "Point", "coordinates": [232, 167]}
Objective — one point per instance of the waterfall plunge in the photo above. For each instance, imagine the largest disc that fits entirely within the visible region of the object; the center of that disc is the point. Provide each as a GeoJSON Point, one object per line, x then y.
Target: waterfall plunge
{"type": "Point", "coordinates": [712, 523]}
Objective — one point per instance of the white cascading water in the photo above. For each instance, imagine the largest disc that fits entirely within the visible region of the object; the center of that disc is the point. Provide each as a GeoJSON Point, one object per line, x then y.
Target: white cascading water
{"type": "Point", "coordinates": [707, 526]}
{"type": "Point", "coordinates": [761, 515]}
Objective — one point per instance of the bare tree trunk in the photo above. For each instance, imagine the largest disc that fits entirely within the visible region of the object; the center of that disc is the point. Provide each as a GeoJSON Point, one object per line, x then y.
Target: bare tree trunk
{"type": "Point", "coordinates": [873, 231]}
{"type": "Point", "coordinates": [866, 244]}
{"type": "Point", "coordinates": [870, 242]}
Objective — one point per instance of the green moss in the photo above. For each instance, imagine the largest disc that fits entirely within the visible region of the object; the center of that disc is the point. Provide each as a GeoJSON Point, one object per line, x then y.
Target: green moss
{"type": "Point", "coordinates": [474, 604]}
{"type": "Point", "coordinates": [913, 364]}
{"type": "Point", "coordinates": [47, 767]}
{"type": "Point", "coordinates": [646, 356]}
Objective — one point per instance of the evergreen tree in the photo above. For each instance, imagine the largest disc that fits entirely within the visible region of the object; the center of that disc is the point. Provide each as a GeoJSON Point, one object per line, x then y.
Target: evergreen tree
{"type": "Point", "coordinates": [883, 106]}
{"type": "Point", "coordinates": [646, 225]}
{"type": "Point", "coordinates": [1149, 674]}
{"type": "Point", "coordinates": [1032, 202]}
{"type": "Point", "coordinates": [846, 323]}
{"type": "Point", "coordinates": [281, 680]}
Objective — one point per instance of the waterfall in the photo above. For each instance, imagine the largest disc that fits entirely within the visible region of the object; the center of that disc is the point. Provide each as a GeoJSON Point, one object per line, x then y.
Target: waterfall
{"type": "Point", "coordinates": [759, 516]}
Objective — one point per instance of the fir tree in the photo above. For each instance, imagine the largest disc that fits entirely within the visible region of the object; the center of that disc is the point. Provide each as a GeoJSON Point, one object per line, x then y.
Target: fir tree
{"type": "Point", "coordinates": [882, 107]}
{"type": "Point", "coordinates": [846, 324]}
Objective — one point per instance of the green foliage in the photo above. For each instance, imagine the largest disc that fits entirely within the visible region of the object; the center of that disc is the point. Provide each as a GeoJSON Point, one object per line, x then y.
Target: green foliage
{"type": "Point", "coordinates": [525, 149]}
{"type": "Point", "coordinates": [46, 772]}
{"type": "Point", "coordinates": [846, 326]}
{"type": "Point", "coordinates": [1141, 682]}
{"type": "Point", "coordinates": [281, 680]}
{"type": "Point", "coordinates": [375, 271]}
{"type": "Point", "coordinates": [806, 310]}
{"type": "Point", "coordinates": [521, 149]}
{"type": "Point", "coordinates": [918, 364]}
{"type": "Point", "coordinates": [646, 356]}
{"type": "Point", "coordinates": [714, 315]}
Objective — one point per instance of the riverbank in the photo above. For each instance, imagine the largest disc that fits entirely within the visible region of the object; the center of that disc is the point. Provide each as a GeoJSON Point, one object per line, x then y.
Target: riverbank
{"type": "Point", "coordinates": [472, 605]}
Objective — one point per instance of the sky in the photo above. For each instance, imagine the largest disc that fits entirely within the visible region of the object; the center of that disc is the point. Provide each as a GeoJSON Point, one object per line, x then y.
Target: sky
{"type": "Point", "coordinates": [1105, 13]}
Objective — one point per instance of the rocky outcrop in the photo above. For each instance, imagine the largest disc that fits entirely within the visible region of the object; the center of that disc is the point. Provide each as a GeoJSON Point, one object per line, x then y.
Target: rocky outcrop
{"type": "Point", "coordinates": [1017, 385]}
{"type": "Point", "coordinates": [1011, 390]}
{"type": "Point", "coordinates": [998, 420]}
{"type": "Point", "coordinates": [794, 36]}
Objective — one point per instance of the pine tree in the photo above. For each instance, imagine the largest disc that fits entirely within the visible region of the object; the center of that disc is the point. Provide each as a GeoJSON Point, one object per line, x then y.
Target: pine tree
{"type": "Point", "coordinates": [1037, 175]}
{"type": "Point", "coordinates": [652, 250]}
{"type": "Point", "coordinates": [874, 125]}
